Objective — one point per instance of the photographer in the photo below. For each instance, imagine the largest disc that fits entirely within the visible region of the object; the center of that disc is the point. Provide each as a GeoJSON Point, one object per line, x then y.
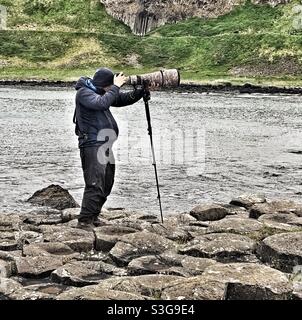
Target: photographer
{"type": "Point", "coordinates": [97, 130]}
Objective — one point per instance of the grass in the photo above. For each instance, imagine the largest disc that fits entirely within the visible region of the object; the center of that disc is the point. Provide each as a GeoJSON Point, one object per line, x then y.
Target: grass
{"type": "Point", "coordinates": [60, 40]}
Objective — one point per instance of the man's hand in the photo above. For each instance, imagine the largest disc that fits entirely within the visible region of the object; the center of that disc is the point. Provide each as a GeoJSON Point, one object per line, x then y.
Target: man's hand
{"type": "Point", "coordinates": [119, 79]}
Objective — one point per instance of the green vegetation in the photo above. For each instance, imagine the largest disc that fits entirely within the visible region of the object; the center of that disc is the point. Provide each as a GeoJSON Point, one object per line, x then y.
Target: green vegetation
{"type": "Point", "coordinates": [61, 40]}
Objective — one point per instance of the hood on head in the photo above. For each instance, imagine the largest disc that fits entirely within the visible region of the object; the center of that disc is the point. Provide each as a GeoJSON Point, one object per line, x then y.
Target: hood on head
{"type": "Point", "coordinates": [103, 78]}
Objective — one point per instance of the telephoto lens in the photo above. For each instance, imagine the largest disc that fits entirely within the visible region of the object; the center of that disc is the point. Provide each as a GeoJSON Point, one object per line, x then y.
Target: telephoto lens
{"type": "Point", "coordinates": [160, 79]}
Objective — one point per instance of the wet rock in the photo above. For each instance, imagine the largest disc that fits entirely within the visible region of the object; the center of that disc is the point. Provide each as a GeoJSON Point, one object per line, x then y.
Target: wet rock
{"type": "Point", "coordinates": [194, 288]}
{"type": "Point", "coordinates": [221, 247]}
{"type": "Point", "coordinates": [53, 289]}
{"type": "Point", "coordinates": [54, 196]}
{"type": "Point", "coordinates": [282, 251]}
{"type": "Point", "coordinates": [55, 249]}
{"type": "Point", "coordinates": [147, 285]}
{"type": "Point", "coordinates": [37, 267]}
{"type": "Point", "coordinates": [281, 221]}
{"type": "Point", "coordinates": [171, 232]}
{"type": "Point", "coordinates": [235, 225]}
{"type": "Point", "coordinates": [139, 244]}
{"type": "Point", "coordinates": [97, 293]}
{"type": "Point", "coordinates": [78, 274]}
{"type": "Point", "coordinates": [8, 241]}
{"type": "Point", "coordinates": [77, 239]}
{"type": "Point", "coordinates": [108, 236]}
{"type": "Point", "coordinates": [248, 200]}
{"type": "Point", "coordinates": [248, 281]}
{"type": "Point", "coordinates": [282, 206]}
{"type": "Point", "coordinates": [208, 212]}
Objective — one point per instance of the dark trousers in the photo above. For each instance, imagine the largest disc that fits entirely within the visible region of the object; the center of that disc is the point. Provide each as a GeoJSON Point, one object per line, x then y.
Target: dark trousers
{"type": "Point", "coordinates": [99, 179]}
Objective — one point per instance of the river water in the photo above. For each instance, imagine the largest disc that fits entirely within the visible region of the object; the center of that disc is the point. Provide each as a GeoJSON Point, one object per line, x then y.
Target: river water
{"type": "Point", "coordinates": [209, 147]}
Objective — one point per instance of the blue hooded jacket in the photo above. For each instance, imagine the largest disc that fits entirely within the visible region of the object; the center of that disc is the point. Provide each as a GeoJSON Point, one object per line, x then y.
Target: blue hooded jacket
{"type": "Point", "coordinates": [92, 112]}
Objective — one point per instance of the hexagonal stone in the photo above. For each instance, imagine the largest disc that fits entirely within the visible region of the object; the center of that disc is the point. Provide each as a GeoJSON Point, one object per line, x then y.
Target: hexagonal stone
{"type": "Point", "coordinates": [208, 212]}
{"type": "Point", "coordinates": [283, 251]}
{"type": "Point", "coordinates": [97, 293]}
{"type": "Point", "coordinates": [26, 237]}
{"type": "Point", "coordinates": [52, 289]}
{"type": "Point", "coordinates": [13, 290]}
{"type": "Point", "coordinates": [281, 206]}
{"type": "Point", "coordinates": [38, 220]}
{"type": "Point", "coordinates": [139, 244]}
{"type": "Point", "coordinates": [55, 249]}
{"type": "Point", "coordinates": [250, 281]}
{"type": "Point", "coordinates": [116, 214]}
{"type": "Point", "coordinates": [196, 266]}
{"type": "Point", "coordinates": [235, 225]}
{"type": "Point", "coordinates": [282, 221]}
{"type": "Point", "coordinates": [8, 241]}
{"type": "Point", "coordinates": [221, 247]}
{"type": "Point", "coordinates": [195, 230]}
{"type": "Point", "coordinates": [37, 267]}
{"type": "Point", "coordinates": [183, 218]}
{"type": "Point", "coordinates": [171, 232]}
{"type": "Point", "coordinates": [5, 269]}
{"type": "Point", "coordinates": [78, 274]}
{"type": "Point", "coordinates": [77, 239]}
{"type": "Point", "coordinates": [247, 200]}
{"type": "Point", "coordinates": [154, 265]}
{"type": "Point", "coordinates": [150, 285]}
{"type": "Point", "coordinates": [194, 288]}
{"type": "Point", "coordinates": [9, 223]}
{"type": "Point", "coordinates": [108, 236]}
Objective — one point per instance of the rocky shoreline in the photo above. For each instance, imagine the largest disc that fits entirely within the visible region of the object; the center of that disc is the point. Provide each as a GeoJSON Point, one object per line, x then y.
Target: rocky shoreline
{"type": "Point", "coordinates": [250, 248]}
{"type": "Point", "coordinates": [184, 87]}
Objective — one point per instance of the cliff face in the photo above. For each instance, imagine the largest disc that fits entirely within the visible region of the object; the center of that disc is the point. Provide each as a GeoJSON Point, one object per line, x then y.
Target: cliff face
{"type": "Point", "coordinates": [144, 15]}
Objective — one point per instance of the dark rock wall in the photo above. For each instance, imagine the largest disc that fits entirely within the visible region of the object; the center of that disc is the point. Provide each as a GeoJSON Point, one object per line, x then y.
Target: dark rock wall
{"type": "Point", "coordinates": [144, 15]}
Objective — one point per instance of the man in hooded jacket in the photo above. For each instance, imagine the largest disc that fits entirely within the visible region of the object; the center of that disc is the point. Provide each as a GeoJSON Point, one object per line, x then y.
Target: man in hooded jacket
{"type": "Point", "coordinates": [97, 130]}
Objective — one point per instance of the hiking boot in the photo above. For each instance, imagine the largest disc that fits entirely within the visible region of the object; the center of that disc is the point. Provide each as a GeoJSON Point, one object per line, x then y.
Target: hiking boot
{"type": "Point", "coordinates": [97, 222]}
{"type": "Point", "coordinates": [88, 226]}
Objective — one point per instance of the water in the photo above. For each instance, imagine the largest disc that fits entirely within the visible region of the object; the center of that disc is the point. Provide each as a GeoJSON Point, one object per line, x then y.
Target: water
{"type": "Point", "coordinates": [252, 144]}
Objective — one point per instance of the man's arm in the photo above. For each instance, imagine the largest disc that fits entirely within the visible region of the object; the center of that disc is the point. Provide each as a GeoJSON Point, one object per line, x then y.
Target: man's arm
{"type": "Point", "coordinates": [94, 101]}
{"type": "Point", "coordinates": [126, 99]}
